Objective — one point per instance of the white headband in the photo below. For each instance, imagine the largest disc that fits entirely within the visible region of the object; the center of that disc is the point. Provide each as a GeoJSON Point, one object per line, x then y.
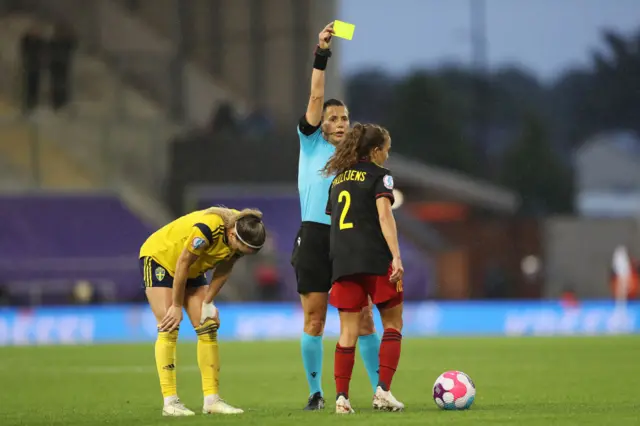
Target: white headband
{"type": "Point", "coordinates": [243, 241]}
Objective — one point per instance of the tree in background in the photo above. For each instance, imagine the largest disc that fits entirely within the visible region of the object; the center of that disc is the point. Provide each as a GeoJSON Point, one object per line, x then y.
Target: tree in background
{"type": "Point", "coordinates": [427, 126]}
{"type": "Point", "coordinates": [431, 116]}
{"type": "Point", "coordinates": [613, 101]}
{"type": "Point", "coordinates": [531, 168]}
{"type": "Point", "coordinates": [369, 95]}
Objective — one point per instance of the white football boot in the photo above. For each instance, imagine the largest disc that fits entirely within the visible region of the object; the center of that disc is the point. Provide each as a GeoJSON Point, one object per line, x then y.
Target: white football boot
{"type": "Point", "coordinates": [219, 406]}
{"type": "Point", "coordinates": [343, 406]}
{"type": "Point", "coordinates": [385, 401]}
{"type": "Point", "coordinates": [175, 408]}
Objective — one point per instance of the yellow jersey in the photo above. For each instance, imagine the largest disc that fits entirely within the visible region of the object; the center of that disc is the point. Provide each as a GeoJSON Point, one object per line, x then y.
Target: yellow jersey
{"type": "Point", "coordinates": [201, 233]}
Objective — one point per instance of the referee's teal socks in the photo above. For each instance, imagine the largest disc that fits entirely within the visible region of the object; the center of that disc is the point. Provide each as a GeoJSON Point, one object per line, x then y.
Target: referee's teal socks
{"type": "Point", "coordinates": [312, 361]}
{"type": "Point", "coordinates": [370, 350]}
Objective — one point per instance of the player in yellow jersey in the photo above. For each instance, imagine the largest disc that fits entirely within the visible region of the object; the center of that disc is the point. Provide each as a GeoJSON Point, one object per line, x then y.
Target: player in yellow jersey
{"type": "Point", "coordinates": [173, 261]}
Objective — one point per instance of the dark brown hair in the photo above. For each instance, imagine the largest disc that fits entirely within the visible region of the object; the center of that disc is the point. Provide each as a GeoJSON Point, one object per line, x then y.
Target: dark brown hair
{"type": "Point", "coordinates": [358, 144]}
{"type": "Point", "coordinates": [251, 230]}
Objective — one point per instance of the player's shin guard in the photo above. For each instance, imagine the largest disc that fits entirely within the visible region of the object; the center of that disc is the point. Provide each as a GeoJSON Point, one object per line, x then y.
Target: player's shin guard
{"type": "Point", "coordinates": [370, 351]}
{"type": "Point", "coordinates": [343, 368]}
{"type": "Point", "coordinates": [165, 349]}
{"type": "Point", "coordinates": [389, 357]}
{"type": "Point", "coordinates": [208, 357]}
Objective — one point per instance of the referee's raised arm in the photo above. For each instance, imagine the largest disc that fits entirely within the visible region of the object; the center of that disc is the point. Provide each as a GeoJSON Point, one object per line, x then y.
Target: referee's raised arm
{"type": "Point", "coordinates": [316, 98]}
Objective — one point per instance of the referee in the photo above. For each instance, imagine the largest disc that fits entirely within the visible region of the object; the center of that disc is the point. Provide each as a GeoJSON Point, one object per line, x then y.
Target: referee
{"type": "Point", "coordinates": [323, 126]}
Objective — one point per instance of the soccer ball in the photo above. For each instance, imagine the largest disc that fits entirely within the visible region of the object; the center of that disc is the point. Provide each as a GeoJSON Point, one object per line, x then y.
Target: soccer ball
{"type": "Point", "coordinates": [454, 390]}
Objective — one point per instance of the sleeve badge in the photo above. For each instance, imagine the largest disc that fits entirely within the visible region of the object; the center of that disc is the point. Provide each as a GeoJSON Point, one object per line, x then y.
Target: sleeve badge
{"type": "Point", "coordinates": [197, 243]}
{"type": "Point", "coordinates": [387, 180]}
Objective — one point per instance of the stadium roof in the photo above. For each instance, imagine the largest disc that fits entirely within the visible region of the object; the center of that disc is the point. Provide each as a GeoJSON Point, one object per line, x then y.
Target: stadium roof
{"type": "Point", "coordinates": [457, 185]}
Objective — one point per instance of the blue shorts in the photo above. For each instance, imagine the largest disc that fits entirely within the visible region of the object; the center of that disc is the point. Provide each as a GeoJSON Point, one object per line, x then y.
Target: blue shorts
{"type": "Point", "coordinates": [155, 275]}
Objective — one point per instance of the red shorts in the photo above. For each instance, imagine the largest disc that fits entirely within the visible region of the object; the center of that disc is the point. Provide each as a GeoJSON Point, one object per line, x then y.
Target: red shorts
{"type": "Point", "coordinates": [350, 293]}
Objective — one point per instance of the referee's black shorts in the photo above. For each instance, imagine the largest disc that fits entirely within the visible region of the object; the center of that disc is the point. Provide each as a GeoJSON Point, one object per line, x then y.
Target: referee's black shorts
{"type": "Point", "coordinates": [310, 258]}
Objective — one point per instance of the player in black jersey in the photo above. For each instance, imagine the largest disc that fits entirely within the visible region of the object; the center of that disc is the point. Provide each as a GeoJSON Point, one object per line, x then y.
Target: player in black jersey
{"type": "Point", "coordinates": [365, 256]}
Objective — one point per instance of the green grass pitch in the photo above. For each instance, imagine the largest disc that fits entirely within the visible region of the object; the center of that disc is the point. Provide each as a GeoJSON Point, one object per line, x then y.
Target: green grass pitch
{"type": "Point", "coordinates": [520, 381]}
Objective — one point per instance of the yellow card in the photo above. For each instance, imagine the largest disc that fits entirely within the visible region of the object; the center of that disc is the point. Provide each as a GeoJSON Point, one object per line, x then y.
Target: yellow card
{"type": "Point", "coordinates": [343, 29]}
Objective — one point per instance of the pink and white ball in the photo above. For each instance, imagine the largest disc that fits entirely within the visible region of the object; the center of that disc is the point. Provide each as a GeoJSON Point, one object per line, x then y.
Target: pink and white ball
{"type": "Point", "coordinates": [454, 390]}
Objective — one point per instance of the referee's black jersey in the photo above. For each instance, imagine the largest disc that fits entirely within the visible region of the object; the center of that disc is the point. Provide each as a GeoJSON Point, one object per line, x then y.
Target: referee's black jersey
{"type": "Point", "coordinates": [357, 243]}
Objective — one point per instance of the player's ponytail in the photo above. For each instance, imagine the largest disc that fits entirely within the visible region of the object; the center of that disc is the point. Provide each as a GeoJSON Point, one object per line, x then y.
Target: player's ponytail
{"type": "Point", "coordinates": [358, 143]}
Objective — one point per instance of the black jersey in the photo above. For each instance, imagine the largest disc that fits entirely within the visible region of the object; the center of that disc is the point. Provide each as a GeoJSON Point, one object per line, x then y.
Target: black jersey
{"type": "Point", "coordinates": [357, 243]}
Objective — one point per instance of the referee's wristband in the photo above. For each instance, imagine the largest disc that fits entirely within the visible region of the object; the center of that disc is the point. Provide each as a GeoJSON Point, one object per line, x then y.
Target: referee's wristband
{"type": "Point", "coordinates": [321, 58]}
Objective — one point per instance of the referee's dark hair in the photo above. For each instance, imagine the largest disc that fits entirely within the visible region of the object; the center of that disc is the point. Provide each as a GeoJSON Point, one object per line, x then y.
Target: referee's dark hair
{"type": "Point", "coordinates": [332, 102]}
{"type": "Point", "coordinates": [358, 144]}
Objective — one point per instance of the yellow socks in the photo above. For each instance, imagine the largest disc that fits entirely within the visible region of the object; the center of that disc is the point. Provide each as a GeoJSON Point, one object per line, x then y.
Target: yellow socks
{"type": "Point", "coordinates": [208, 357]}
{"type": "Point", "coordinates": [166, 362]}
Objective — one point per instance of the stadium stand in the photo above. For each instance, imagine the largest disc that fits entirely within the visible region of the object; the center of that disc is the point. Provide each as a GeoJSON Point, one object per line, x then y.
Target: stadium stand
{"type": "Point", "coordinates": [34, 158]}
{"type": "Point", "coordinates": [51, 242]}
{"type": "Point", "coordinates": [110, 128]}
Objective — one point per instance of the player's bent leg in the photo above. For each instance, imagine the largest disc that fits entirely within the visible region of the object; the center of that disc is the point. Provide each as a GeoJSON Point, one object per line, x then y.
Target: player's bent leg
{"type": "Point", "coordinates": [314, 306]}
{"type": "Point", "coordinates": [391, 315]}
{"type": "Point", "coordinates": [165, 353]}
{"type": "Point", "coordinates": [208, 354]}
{"type": "Point", "coordinates": [369, 344]}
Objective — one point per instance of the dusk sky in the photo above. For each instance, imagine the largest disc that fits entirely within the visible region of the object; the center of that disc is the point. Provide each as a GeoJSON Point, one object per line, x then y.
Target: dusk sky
{"type": "Point", "coordinates": [545, 36]}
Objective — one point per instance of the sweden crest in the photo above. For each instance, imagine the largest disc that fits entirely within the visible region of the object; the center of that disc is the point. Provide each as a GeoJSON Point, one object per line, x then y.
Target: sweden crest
{"type": "Point", "coordinates": [160, 273]}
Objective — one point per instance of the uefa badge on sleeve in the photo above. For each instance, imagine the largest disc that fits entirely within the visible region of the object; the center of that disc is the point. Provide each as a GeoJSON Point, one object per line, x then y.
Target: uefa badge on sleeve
{"type": "Point", "coordinates": [388, 181]}
{"type": "Point", "coordinates": [197, 243]}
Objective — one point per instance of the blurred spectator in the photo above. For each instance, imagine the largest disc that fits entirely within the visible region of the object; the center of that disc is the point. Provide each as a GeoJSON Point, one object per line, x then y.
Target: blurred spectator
{"type": "Point", "coordinates": [5, 298]}
{"type": "Point", "coordinates": [624, 274]}
{"type": "Point", "coordinates": [62, 46]}
{"type": "Point", "coordinates": [258, 122]}
{"type": "Point", "coordinates": [495, 281]}
{"type": "Point", "coordinates": [132, 5]}
{"type": "Point", "coordinates": [268, 279]}
{"type": "Point", "coordinates": [83, 293]}
{"type": "Point", "coordinates": [569, 298]}
{"type": "Point", "coordinates": [224, 118]}
{"type": "Point", "coordinates": [266, 272]}
{"type": "Point", "coordinates": [32, 49]}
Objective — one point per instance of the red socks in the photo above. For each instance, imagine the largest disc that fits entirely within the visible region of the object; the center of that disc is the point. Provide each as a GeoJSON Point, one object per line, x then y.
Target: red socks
{"type": "Point", "coordinates": [343, 367]}
{"type": "Point", "coordinates": [389, 357]}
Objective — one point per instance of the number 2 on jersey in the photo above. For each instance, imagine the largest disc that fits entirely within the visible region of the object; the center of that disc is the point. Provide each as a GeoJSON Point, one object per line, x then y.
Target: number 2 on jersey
{"type": "Point", "coordinates": [344, 195]}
